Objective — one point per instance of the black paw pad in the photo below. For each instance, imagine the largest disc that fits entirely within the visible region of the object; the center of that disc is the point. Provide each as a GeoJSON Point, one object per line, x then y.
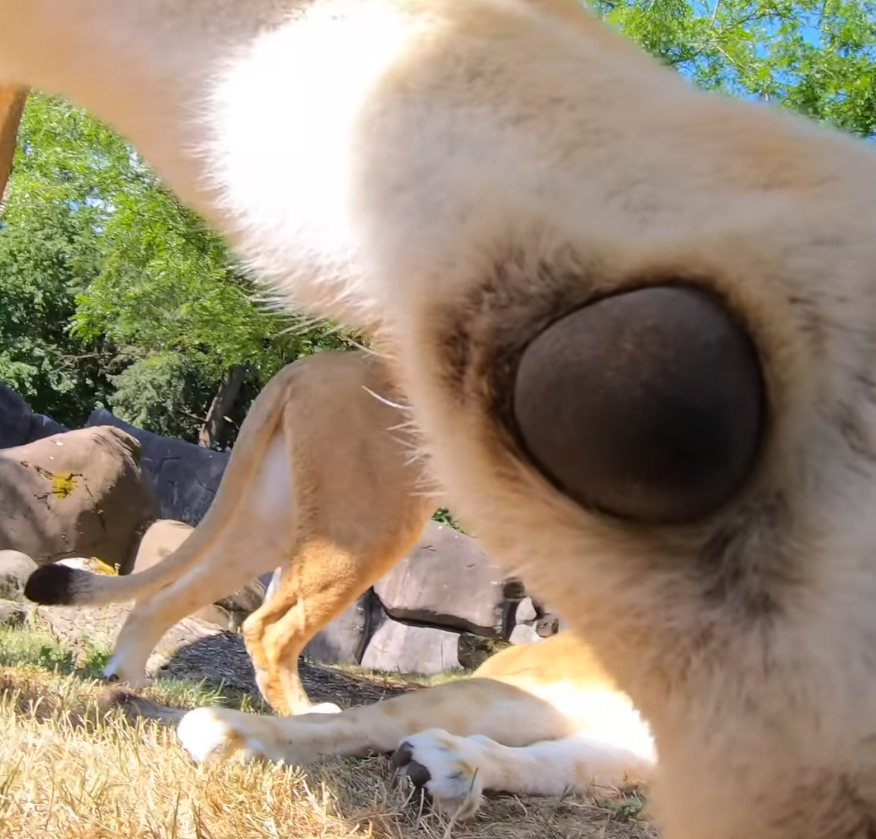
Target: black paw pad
{"type": "Point", "coordinates": [403, 758]}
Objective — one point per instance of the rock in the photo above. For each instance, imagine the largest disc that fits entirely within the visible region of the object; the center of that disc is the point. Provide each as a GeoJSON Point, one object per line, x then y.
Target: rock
{"type": "Point", "coordinates": [271, 582]}
{"type": "Point", "coordinates": [15, 568]}
{"type": "Point", "coordinates": [42, 426]}
{"type": "Point", "coordinates": [82, 493]}
{"type": "Point", "coordinates": [186, 476]}
{"type": "Point", "coordinates": [15, 418]}
{"type": "Point", "coordinates": [525, 611]}
{"type": "Point", "coordinates": [474, 650]}
{"type": "Point", "coordinates": [19, 425]}
{"type": "Point", "coordinates": [446, 581]}
{"type": "Point", "coordinates": [402, 648]}
{"type": "Point", "coordinates": [524, 633]}
{"type": "Point", "coordinates": [162, 538]}
{"type": "Point", "coordinates": [12, 613]}
{"type": "Point", "coordinates": [345, 639]}
{"type": "Point", "coordinates": [547, 625]}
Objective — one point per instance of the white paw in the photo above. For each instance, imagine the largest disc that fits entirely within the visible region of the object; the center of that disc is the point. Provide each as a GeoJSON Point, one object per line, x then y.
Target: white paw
{"type": "Point", "coordinates": [447, 767]}
{"type": "Point", "coordinates": [207, 733]}
{"type": "Point", "coordinates": [324, 708]}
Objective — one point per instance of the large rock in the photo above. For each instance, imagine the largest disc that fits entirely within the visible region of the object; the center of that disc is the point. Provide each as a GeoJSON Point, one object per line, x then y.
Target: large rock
{"type": "Point", "coordinates": [447, 581]}
{"type": "Point", "coordinates": [186, 476]}
{"type": "Point", "coordinates": [345, 639]}
{"type": "Point", "coordinates": [12, 613]}
{"type": "Point", "coordinates": [42, 426]}
{"type": "Point", "coordinates": [15, 569]}
{"type": "Point", "coordinates": [82, 493]}
{"type": "Point", "coordinates": [403, 648]}
{"type": "Point", "coordinates": [161, 539]}
{"type": "Point", "coordinates": [15, 418]}
{"type": "Point", "coordinates": [18, 424]}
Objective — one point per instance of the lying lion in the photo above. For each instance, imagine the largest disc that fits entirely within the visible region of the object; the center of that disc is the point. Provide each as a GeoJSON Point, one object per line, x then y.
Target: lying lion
{"type": "Point", "coordinates": [634, 323]}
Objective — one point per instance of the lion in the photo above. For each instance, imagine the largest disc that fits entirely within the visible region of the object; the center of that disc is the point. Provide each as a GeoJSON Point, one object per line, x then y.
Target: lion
{"type": "Point", "coordinates": [536, 719]}
{"type": "Point", "coordinates": [320, 485]}
{"type": "Point", "coordinates": [633, 322]}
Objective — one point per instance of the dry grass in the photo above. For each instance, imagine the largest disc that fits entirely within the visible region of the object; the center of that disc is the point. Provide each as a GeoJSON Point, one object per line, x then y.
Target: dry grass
{"type": "Point", "coordinates": [69, 771]}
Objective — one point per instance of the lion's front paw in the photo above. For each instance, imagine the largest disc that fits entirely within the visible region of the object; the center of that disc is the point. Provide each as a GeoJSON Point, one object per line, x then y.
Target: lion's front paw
{"type": "Point", "coordinates": [120, 669]}
{"type": "Point", "coordinates": [208, 733]}
{"type": "Point", "coordinates": [445, 766]}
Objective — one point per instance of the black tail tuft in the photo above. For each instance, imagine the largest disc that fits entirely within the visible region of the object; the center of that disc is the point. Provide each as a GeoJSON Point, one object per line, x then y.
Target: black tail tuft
{"type": "Point", "coordinates": [52, 585]}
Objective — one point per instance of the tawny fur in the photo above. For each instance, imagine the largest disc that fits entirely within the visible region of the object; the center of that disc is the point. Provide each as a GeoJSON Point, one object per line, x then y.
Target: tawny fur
{"type": "Point", "coordinates": [445, 173]}
{"type": "Point", "coordinates": [540, 719]}
{"type": "Point", "coordinates": [320, 484]}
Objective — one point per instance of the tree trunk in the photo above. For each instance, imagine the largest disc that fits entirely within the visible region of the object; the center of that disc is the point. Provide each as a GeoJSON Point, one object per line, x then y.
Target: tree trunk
{"type": "Point", "coordinates": [12, 101]}
{"type": "Point", "coordinates": [212, 431]}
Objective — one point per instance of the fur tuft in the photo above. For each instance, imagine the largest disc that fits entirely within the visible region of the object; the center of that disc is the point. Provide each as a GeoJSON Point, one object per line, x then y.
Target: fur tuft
{"type": "Point", "coordinates": [54, 585]}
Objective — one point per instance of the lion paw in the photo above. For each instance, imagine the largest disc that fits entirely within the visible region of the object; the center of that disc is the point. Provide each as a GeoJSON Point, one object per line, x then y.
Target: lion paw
{"type": "Point", "coordinates": [117, 669]}
{"type": "Point", "coordinates": [208, 733]}
{"type": "Point", "coordinates": [445, 766]}
{"type": "Point", "coordinates": [324, 708]}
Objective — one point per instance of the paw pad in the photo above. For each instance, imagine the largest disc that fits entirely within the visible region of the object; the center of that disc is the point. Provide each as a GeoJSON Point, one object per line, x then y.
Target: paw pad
{"type": "Point", "coordinates": [403, 759]}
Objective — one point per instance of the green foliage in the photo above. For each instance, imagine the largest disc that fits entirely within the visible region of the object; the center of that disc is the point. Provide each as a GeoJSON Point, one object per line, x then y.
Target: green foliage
{"type": "Point", "coordinates": [116, 294]}
{"type": "Point", "coordinates": [816, 57]}
{"type": "Point", "coordinates": [48, 252]}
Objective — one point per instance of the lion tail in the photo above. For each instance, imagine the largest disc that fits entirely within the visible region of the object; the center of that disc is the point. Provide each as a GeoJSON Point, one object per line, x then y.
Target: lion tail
{"type": "Point", "coordinates": [60, 585]}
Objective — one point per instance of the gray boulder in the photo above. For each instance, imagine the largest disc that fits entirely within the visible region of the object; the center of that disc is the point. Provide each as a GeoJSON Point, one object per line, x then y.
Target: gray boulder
{"type": "Point", "coordinates": [15, 418]}
{"type": "Point", "coordinates": [78, 494]}
{"type": "Point", "coordinates": [403, 648]}
{"type": "Point", "coordinates": [186, 476]}
{"type": "Point", "coordinates": [524, 633]}
{"type": "Point", "coordinates": [447, 581]}
{"type": "Point", "coordinates": [345, 639]}
{"type": "Point", "coordinates": [15, 568]}
{"type": "Point", "coordinates": [19, 424]}
{"type": "Point", "coordinates": [526, 611]}
{"type": "Point", "coordinates": [42, 426]}
{"type": "Point", "coordinates": [12, 613]}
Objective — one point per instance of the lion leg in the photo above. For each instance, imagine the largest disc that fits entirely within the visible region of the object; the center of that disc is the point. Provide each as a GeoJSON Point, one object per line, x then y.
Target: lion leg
{"type": "Point", "coordinates": [505, 713]}
{"type": "Point", "coordinates": [358, 512]}
{"type": "Point", "coordinates": [323, 579]}
{"type": "Point", "coordinates": [456, 740]}
{"type": "Point", "coordinates": [254, 540]}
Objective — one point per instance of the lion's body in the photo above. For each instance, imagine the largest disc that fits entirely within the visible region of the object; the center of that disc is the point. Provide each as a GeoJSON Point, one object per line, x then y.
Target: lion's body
{"type": "Point", "coordinates": [459, 178]}
{"type": "Point", "coordinates": [318, 485]}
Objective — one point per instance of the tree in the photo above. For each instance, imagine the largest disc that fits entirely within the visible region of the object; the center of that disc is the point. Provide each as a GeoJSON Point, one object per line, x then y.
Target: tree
{"type": "Point", "coordinates": [48, 251]}
{"type": "Point", "coordinates": [115, 293]}
{"type": "Point", "coordinates": [815, 57]}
